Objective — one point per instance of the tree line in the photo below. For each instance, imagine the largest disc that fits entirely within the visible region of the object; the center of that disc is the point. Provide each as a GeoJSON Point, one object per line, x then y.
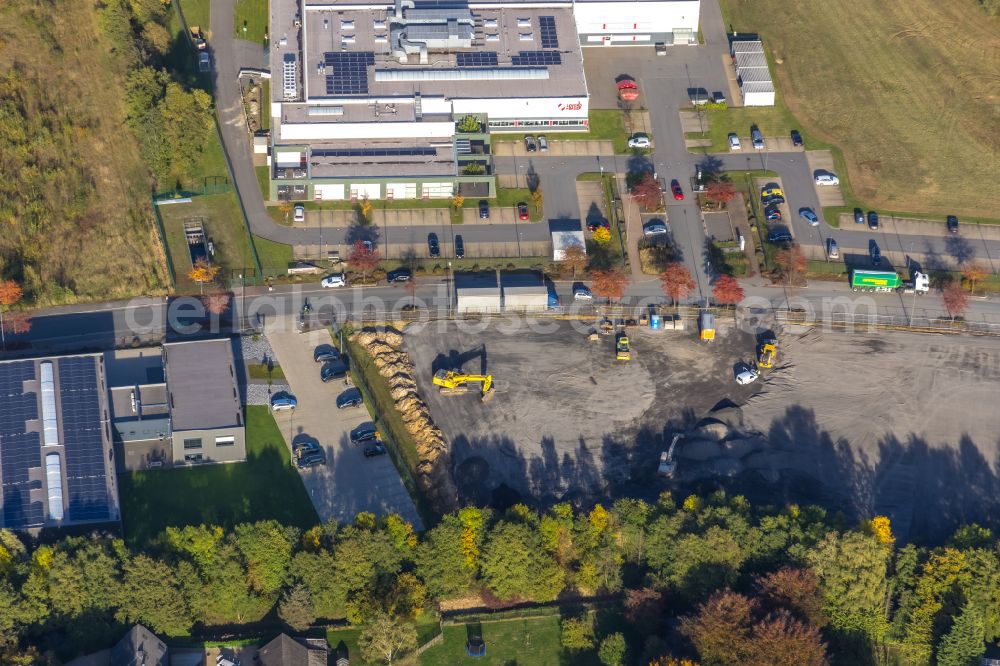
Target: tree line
{"type": "Point", "coordinates": [714, 580]}
{"type": "Point", "coordinates": [170, 116]}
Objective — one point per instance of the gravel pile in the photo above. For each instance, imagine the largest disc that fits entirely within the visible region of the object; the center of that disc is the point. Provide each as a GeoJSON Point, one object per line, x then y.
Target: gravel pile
{"type": "Point", "coordinates": [260, 394]}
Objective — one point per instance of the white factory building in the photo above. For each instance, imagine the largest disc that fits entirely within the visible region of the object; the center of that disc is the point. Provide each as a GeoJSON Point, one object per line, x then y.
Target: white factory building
{"type": "Point", "coordinates": [367, 99]}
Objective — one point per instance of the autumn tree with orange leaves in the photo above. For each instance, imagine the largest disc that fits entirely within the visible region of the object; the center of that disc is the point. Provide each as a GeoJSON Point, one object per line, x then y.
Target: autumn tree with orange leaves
{"type": "Point", "coordinates": [203, 272]}
{"type": "Point", "coordinates": [720, 191]}
{"type": "Point", "coordinates": [11, 294]}
{"type": "Point", "coordinates": [792, 262]}
{"type": "Point", "coordinates": [955, 300]}
{"type": "Point", "coordinates": [574, 258]}
{"type": "Point", "coordinates": [216, 302]}
{"type": "Point", "coordinates": [676, 282]}
{"type": "Point", "coordinates": [647, 193]}
{"type": "Point", "coordinates": [363, 257]}
{"type": "Point", "coordinates": [727, 291]}
{"type": "Point", "coordinates": [974, 272]}
{"type": "Point", "coordinates": [609, 284]}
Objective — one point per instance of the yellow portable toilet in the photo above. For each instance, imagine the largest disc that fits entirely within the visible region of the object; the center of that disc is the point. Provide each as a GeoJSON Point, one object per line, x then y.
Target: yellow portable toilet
{"type": "Point", "coordinates": [706, 325]}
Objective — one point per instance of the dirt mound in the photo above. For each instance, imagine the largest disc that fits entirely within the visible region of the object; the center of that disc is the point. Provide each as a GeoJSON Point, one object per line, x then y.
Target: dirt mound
{"type": "Point", "coordinates": [384, 345]}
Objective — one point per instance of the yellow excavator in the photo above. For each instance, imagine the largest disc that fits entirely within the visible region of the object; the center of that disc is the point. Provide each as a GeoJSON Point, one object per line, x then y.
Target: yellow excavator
{"type": "Point", "coordinates": [622, 352]}
{"type": "Point", "coordinates": [765, 359]}
{"type": "Point", "coordinates": [452, 382]}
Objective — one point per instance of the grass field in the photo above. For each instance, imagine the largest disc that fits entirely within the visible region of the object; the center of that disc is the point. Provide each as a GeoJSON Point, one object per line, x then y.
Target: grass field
{"type": "Point", "coordinates": [251, 14]}
{"type": "Point", "coordinates": [427, 628]}
{"type": "Point", "coordinates": [264, 487]}
{"type": "Point", "coordinates": [220, 216]}
{"type": "Point", "coordinates": [196, 13]}
{"type": "Point", "coordinates": [603, 123]}
{"type": "Point", "coordinates": [908, 91]}
{"type": "Point", "coordinates": [74, 203]}
{"type": "Point", "coordinates": [522, 641]}
{"type": "Point", "coordinates": [274, 257]}
{"type": "Point", "coordinates": [261, 371]}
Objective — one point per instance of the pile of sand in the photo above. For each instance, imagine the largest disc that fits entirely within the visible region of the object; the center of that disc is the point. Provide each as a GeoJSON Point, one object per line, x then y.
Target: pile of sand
{"type": "Point", "coordinates": [384, 345]}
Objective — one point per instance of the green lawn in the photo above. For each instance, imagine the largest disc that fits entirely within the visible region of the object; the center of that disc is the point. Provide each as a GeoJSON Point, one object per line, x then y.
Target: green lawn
{"type": "Point", "coordinates": [604, 124]}
{"type": "Point", "coordinates": [523, 641]}
{"type": "Point", "coordinates": [251, 14]}
{"type": "Point", "coordinates": [260, 371]}
{"type": "Point", "coordinates": [264, 181]}
{"type": "Point", "coordinates": [427, 628]}
{"type": "Point", "coordinates": [264, 487]}
{"type": "Point", "coordinates": [274, 257]}
{"type": "Point", "coordinates": [196, 13]}
{"type": "Point", "coordinates": [222, 220]}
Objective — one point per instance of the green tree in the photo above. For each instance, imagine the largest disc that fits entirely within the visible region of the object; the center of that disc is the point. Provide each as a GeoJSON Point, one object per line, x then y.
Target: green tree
{"type": "Point", "coordinates": [442, 560]}
{"type": "Point", "coordinates": [327, 593]}
{"type": "Point", "coordinates": [222, 593]}
{"type": "Point", "coordinates": [386, 638]}
{"type": "Point", "coordinates": [964, 644]}
{"type": "Point", "coordinates": [469, 125]}
{"type": "Point", "coordinates": [266, 547]}
{"type": "Point", "coordinates": [515, 565]}
{"type": "Point", "coordinates": [612, 650]}
{"type": "Point", "coordinates": [296, 609]}
{"type": "Point", "coordinates": [200, 543]}
{"type": "Point", "coordinates": [706, 562]}
{"type": "Point", "coordinates": [187, 116]}
{"type": "Point", "coordinates": [852, 571]}
{"type": "Point", "coordinates": [151, 595]}
{"type": "Point", "coordinates": [577, 633]}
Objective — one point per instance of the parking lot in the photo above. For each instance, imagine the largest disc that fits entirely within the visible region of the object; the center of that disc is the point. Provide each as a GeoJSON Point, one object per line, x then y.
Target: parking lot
{"type": "Point", "coordinates": [348, 483]}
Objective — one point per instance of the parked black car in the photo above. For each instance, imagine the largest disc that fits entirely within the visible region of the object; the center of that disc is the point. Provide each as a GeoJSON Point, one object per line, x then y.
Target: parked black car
{"type": "Point", "coordinates": [312, 460]}
{"type": "Point", "coordinates": [952, 224]}
{"type": "Point", "coordinates": [484, 209]}
{"type": "Point", "coordinates": [872, 220]}
{"type": "Point", "coordinates": [303, 449]}
{"type": "Point", "coordinates": [333, 370]}
{"type": "Point", "coordinates": [376, 449]}
{"type": "Point", "coordinates": [875, 252]}
{"type": "Point", "coordinates": [350, 398]}
{"type": "Point", "coordinates": [772, 212]}
{"type": "Point", "coordinates": [779, 235]}
{"type": "Point", "coordinates": [365, 432]}
{"type": "Point", "coordinates": [796, 138]}
{"type": "Point", "coordinates": [399, 275]}
{"type": "Point", "coordinates": [459, 247]}
{"type": "Point", "coordinates": [325, 353]}
{"type": "Point", "coordinates": [859, 216]}
{"type": "Point", "coordinates": [433, 247]}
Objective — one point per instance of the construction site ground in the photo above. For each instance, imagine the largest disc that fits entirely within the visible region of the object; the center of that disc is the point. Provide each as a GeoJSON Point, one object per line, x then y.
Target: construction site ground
{"type": "Point", "coordinates": [900, 424]}
{"type": "Point", "coordinates": [568, 420]}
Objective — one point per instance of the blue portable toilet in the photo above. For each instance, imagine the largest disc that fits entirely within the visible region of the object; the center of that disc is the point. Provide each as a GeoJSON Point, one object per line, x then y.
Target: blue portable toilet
{"type": "Point", "coordinates": [654, 322]}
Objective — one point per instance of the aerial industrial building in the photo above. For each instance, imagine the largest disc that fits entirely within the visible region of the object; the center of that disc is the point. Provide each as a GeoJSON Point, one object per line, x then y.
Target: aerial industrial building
{"type": "Point", "coordinates": [398, 100]}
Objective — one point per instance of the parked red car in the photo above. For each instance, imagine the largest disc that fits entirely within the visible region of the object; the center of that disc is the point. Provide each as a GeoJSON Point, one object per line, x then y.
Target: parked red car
{"type": "Point", "coordinates": [522, 211]}
{"type": "Point", "coordinates": [675, 187]}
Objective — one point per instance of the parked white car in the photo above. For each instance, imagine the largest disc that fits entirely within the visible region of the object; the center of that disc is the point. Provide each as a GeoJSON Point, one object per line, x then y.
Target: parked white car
{"type": "Point", "coordinates": [746, 375]}
{"type": "Point", "coordinates": [734, 142]}
{"type": "Point", "coordinates": [827, 179]}
{"type": "Point", "coordinates": [299, 213]}
{"type": "Point", "coordinates": [335, 280]}
{"type": "Point", "coordinates": [283, 403]}
{"type": "Point", "coordinates": [639, 141]}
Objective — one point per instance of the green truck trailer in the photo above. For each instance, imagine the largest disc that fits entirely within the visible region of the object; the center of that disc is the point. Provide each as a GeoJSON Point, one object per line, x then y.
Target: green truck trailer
{"type": "Point", "coordinates": [887, 281]}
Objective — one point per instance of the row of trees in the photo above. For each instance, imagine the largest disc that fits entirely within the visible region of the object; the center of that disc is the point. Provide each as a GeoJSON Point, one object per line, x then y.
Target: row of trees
{"type": "Point", "coordinates": [748, 586]}
{"type": "Point", "coordinates": [170, 118]}
{"type": "Point", "coordinates": [675, 280]}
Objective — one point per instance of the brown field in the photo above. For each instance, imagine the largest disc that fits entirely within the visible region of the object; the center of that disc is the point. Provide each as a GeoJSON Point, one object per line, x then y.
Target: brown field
{"type": "Point", "coordinates": [910, 91]}
{"type": "Point", "coordinates": [74, 196]}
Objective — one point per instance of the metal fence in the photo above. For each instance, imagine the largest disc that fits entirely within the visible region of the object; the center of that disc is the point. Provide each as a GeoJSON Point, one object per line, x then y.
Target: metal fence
{"type": "Point", "coordinates": [873, 321]}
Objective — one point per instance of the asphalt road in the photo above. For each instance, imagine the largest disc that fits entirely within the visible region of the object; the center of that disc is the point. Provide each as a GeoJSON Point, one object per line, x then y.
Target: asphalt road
{"type": "Point", "coordinates": [147, 321]}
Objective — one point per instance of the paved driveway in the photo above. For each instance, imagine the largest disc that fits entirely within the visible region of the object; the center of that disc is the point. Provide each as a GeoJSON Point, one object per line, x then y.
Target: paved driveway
{"type": "Point", "coordinates": [349, 482]}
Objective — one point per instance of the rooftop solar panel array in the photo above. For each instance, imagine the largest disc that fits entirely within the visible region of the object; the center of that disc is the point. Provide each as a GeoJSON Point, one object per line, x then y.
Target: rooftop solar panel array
{"type": "Point", "coordinates": [536, 58]}
{"type": "Point", "coordinates": [477, 59]}
{"type": "Point", "coordinates": [350, 72]}
{"type": "Point", "coordinates": [373, 152]}
{"type": "Point", "coordinates": [81, 424]}
{"type": "Point", "coordinates": [20, 451]}
{"type": "Point", "coordinates": [547, 26]}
